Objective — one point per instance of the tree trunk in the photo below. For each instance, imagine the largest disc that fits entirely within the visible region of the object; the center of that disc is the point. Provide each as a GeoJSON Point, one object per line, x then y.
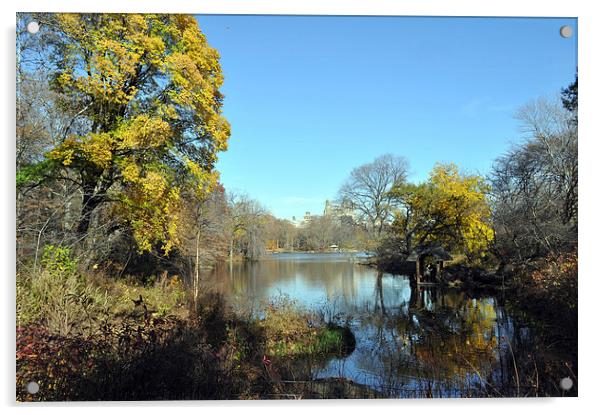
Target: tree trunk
{"type": "Point", "coordinates": [379, 290]}
{"type": "Point", "coordinates": [89, 203]}
{"type": "Point", "coordinates": [418, 269]}
{"type": "Point", "coordinates": [196, 268]}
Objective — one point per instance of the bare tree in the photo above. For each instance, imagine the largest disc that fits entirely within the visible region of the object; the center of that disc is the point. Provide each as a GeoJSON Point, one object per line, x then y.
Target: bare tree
{"type": "Point", "coordinates": [246, 226]}
{"type": "Point", "coordinates": [281, 232]}
{"type": "Point", "coordinates": [319, 232]}
{"type": "Point", "coordinates": [45, 209]}
{"type": "Point", "coordinates": [203, 234]}
{"type": "Point", "coordinates": [367, 189]}
{"type": "Point", "coordinates": [534, 186]}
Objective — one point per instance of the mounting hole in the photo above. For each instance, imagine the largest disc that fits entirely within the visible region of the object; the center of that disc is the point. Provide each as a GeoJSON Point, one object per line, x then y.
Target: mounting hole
{"type": "Point", "coordinates": [33, 388]}
{"type": "Point", "coordinates": [33, 27]}
{"type": "Point", "coordinates": [566, 383]}
{"type": "Point", "coordinates": [566, 31]}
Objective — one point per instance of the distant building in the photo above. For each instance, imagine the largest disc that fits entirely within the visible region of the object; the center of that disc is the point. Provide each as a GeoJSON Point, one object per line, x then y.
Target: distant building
{"type": "Point", "coordinates": [300, 223]}
{"type": "Point", "coordinates": [296, 222]}
{"type": "Point", "coordinates": [341, 211]}
{"type": "Point", "coordinates": [307, 217]}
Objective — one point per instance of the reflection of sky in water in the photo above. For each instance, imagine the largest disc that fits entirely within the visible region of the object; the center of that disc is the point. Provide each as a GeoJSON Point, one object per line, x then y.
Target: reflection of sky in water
{"type": "Point", "coordinates": [314, 281]}
{"type": "Point", "coordinates": [403, 338]}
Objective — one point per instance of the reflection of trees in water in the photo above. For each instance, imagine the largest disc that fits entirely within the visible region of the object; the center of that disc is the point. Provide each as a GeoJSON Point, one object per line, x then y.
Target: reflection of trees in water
{"type": "Point", "coordinates": [380, 305]}
{"type": "Point", "coordinates": [341, 282]}
{"type": "Point", "coordinates": [444, 344]}
{"type": "Point", "coordinates": [428, 341]}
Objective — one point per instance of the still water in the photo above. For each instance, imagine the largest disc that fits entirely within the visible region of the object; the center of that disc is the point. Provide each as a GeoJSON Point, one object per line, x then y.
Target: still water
{"type": "Point", "coordinates": [409, 341]}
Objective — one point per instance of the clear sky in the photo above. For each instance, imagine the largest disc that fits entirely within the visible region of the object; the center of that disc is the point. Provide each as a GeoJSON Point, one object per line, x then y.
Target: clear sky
{"type": "Point", "coordinates": [310, 98]}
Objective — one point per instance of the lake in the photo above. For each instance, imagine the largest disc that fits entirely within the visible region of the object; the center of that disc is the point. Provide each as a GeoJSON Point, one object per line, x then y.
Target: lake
{"type": "Point", "coordinates": [410, 341]}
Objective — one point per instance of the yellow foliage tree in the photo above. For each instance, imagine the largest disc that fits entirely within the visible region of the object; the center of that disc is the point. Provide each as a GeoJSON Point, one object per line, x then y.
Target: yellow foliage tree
{"type": "Point", "coordinates": [450, 209]}
{"type": "Point", "coordinates": [148, 123]}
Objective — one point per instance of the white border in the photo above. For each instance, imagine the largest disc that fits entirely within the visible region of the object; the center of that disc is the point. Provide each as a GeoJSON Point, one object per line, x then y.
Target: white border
{"type": "Point", "coordinates": [590, 177]}
{"type": "Point", "coordinates": [336, 7]}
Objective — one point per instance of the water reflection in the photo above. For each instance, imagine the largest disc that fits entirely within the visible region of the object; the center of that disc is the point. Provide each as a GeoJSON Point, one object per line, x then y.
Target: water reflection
{"type": "Point", "coordinates": [410, 342]}
{"type": "Point", "coordinates": [314, 280]}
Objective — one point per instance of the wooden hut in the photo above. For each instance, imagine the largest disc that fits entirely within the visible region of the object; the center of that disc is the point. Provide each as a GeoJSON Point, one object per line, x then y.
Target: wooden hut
{"type": "Point", "coordinates": [419, 255]}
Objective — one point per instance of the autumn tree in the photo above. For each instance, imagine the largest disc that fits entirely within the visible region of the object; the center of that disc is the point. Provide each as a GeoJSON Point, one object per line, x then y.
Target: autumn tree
{"type": "Point", "coordinates": [147, 122]}
{"type": "Point", "coordinates": [449, 209]}
{"type": "Point", "coordinates": [367, 189]}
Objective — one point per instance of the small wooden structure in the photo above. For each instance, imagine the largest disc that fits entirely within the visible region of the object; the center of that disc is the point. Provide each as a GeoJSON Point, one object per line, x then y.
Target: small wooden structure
{"type": "Point", "coordinates": [419, 255]}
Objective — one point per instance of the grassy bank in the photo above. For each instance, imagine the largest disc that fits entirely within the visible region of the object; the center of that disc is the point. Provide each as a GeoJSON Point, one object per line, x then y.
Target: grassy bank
{"type": "Point", "coordinates": [90, 337]}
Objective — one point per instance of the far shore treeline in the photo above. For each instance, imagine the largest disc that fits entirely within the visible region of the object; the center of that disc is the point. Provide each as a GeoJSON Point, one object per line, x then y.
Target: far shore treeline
{"type": "Point", "coordinates": [120, 211]}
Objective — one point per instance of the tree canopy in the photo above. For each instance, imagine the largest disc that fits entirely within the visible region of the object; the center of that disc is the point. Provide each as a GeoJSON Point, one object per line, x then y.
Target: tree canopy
{"type": "Point", "coordinates": [147, 124]}
{"type": "Point", "coordinates": [367, 189]}
{"type": "Point", "coordinates": [449, 209]}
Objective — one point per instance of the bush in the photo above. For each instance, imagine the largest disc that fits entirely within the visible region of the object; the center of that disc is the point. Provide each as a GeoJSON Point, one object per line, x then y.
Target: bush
{"type": "Point", "coordinates": [67, 303]}
{"type": "Point", "coordinates": [291, 331]}
{"type": "Point", "coordinates": [58, 297]}
{"type": "Point", "coordinates": [557, 280]}
{"type": "Point", "coordinates": [122, 360]}
{"type": "Point", "coordinates": [161, 298]}
{"type": "Point", "coordinates": [56, 363]}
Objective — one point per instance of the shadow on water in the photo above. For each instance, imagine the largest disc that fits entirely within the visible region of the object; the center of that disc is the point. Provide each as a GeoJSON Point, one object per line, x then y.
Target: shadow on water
{"type": "Point", "coordinates": [410, 341]}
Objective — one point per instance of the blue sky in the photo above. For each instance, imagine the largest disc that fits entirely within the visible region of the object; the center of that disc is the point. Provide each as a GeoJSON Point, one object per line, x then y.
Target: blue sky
{"type": "Point", "coordinates": [311, 97]}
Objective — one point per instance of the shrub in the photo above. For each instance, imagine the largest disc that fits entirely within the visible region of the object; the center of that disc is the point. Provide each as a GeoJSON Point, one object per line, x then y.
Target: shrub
{"type": "Point", "coordinates": [557, 280]}
{"type": "Point", "coordinates": [291, 331]}
{"type": "Point", "coordinates": [161, 297]}
{"type": "Point", "coordinates": [55, 363]}
{"type": "Point", "coordinates": [117, 362]}
{"type": "Point", "coordinates": [57, 296]}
